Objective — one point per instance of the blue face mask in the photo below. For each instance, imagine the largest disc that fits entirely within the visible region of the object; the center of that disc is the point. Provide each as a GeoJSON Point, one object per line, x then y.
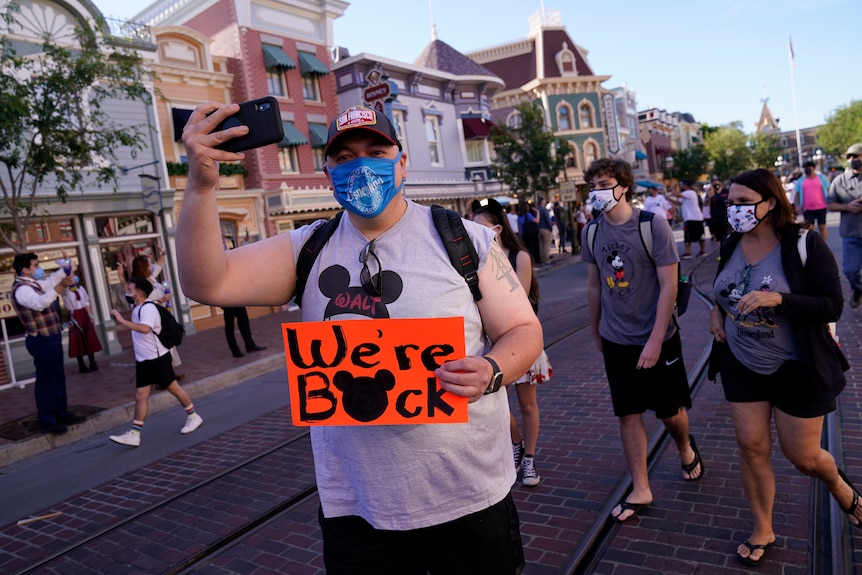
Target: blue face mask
{"type": "Point", "coordinates": [365, 186]}
{"type": "Point", "coordinates": [39, 273]}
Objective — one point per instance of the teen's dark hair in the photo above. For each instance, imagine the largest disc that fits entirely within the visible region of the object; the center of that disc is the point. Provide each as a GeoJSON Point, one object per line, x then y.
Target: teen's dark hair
{"type": "Point", "coordinates": [22, 262]}
{"type": "Point", "coordinates": [768, 186]}
{"type": "Point", "coordinates": [509, 240]}
{"type": "Point", "coordinates": [143, 284]}
{"type": "Point", "coordinates": [617, 169]}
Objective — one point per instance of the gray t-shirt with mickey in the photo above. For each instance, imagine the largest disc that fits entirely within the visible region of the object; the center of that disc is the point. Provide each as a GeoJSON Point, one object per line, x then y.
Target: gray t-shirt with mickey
{"type": "Point", "coordinates": [629, 282]}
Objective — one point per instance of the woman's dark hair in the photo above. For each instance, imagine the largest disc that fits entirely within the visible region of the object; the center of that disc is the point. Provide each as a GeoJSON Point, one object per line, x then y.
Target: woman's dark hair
{"type": "Point", "coordinates": [509, 240]}
{"type": "Point", "coordinates": [617, 169]}
{"type": "Point", "coordinates": [140, 267]}
{"type": "Point", "coordinates": [768, 186]}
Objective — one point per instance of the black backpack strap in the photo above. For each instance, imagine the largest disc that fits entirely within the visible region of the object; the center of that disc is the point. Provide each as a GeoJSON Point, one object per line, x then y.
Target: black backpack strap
{"type": "Point", "coordinates": [309, 252]}
{"type": "Point", "coordinates": [458, 245]}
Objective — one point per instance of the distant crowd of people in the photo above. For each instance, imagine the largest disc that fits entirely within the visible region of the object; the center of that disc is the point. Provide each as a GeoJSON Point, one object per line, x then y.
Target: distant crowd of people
{"type": "Point", "coordinates": [438, 498]}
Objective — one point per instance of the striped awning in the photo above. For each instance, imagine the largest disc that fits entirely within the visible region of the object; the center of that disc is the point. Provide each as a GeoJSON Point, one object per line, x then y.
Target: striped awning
{"type": "Point", "coordinates": [318, 135]}
{"type": "Point", "coordinates": [309, 65]}
{"type": "Point", "coordinates": [274, 58]}
{"type": "Point", "coordinates": [292, 136]}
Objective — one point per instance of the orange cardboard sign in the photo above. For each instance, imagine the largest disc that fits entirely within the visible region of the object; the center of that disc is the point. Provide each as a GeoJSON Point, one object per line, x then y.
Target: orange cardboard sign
{"type": "Point", "coordinates": [374, 372]}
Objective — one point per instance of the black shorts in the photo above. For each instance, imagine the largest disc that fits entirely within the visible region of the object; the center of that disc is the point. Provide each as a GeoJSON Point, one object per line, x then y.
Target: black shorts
{"type": "Point", "coordinates": [815, 216]}
{"type": "Point", "coordinates": [790, 389]}
{"type": "Point", "coordinates": [487, 542]}
{"type": "Point", "coordinates": [662, 388]}
{"type": "Point", "coordinates": [693, 231]}
{"type": "Point", "coordinates": [158, 372]}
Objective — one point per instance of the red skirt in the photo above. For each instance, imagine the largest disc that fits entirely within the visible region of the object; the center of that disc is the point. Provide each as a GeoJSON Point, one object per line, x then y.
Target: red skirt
{"type": "Point", "coordinates": [82, 338]}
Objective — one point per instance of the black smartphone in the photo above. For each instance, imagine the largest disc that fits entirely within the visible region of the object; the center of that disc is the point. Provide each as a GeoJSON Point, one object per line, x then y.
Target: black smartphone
{"type": "Point", "coordinates": [263, 118]}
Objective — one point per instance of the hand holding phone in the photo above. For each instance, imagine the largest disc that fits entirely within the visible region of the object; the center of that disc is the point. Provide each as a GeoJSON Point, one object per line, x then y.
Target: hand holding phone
{"type": "Point", "coordinates": [263, 118]}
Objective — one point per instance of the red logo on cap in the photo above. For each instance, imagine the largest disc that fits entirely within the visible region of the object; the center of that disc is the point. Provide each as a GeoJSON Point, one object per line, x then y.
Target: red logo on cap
{"type": "Point", "coordinates": [356, 116]}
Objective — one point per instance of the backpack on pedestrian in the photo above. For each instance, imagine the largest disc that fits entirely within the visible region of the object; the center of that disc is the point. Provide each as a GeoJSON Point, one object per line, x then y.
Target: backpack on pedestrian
{"type": "Point", "coordinates": [172, 332]}
{"type": "Point", "coordinates": [449, 225]}
{"type": "Point", "coordinates": [683, 292]}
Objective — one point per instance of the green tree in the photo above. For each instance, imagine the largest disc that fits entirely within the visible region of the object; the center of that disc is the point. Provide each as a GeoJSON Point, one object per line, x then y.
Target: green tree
{"type": "Point", "coordinates": [727, 149]}
{"type": "Point", "coordinates": [53, 130]}
{"type": "Point", "coordinates": [688, 164]}
{"type": "Point", "coordinates": [843, 128]}
{"type": "Point", "coordinates": [764, 150]}
{"type": "Point", "coordinates": [526, 160]}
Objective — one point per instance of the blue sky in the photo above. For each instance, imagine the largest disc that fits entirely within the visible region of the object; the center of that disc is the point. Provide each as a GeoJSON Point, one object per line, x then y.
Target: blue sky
{"type": "Point", "coordinates": [706, 57]}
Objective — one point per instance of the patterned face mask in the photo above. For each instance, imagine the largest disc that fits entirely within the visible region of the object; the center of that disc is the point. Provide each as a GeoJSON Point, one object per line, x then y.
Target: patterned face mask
{"type": "Point", "coordinates": [742, 218]}
{"type": "Point", "coordinates": [604, 200]}
{"type": "Point", "coordinates": [365, 186]}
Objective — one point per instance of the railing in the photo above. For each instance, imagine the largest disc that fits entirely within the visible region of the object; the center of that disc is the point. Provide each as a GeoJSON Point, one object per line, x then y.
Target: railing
{"type": "Point", "coordinates": [135, 33]}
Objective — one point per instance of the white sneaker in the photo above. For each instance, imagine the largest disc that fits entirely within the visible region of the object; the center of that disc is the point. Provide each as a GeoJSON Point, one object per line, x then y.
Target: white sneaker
{"type": "Point", "coordinates": [192, 422]}
{"type": "Point", "coordinates": [131, 438]}
{"type": "Point", "coordinates": [530, 477]}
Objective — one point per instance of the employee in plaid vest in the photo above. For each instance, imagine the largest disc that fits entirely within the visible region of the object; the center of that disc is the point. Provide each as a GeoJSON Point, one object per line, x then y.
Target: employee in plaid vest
{"type": "Point", "coordinates": [34, 298]}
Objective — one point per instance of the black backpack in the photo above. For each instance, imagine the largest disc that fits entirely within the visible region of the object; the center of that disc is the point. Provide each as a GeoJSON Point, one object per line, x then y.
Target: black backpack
{"type": "Point", "coordinates": [172, 331]}
{"type": "Point", "coordinates": [462, 252]}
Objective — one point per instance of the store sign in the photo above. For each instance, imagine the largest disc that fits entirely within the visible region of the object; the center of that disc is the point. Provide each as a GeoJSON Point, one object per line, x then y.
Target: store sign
{"type": "Point", "coordinates": [372, 372]}
{"type": "Point", "coordinates": [6, 309]}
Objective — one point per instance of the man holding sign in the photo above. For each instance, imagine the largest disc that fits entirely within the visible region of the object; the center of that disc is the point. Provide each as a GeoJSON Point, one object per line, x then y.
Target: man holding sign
{"type": "Point", "coordinates": [405, 498]}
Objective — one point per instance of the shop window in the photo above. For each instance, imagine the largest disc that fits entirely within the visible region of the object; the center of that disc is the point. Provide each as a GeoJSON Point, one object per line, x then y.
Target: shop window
{"type": "Point", "coordinates": [129, 225]}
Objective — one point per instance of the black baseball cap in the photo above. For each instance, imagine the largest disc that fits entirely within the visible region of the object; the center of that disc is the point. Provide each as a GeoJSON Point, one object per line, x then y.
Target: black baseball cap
{"type": "Point", "coordinates": [359, 117]}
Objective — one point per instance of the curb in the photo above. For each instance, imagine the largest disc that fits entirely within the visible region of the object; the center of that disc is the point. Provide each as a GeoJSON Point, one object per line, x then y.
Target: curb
{"type": "Point", "coordinates": [116, 416]}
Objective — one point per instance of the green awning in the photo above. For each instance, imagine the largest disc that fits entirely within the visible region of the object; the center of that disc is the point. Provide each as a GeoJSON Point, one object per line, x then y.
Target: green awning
{"type": "Point", "coordinates": [318, 135]}
{"type": "Point", "coordinates": [309, 65]}
{"type": "Point", "coordinates": [292, 136]}
{"type": "Point", "coordinates": [274, 58]}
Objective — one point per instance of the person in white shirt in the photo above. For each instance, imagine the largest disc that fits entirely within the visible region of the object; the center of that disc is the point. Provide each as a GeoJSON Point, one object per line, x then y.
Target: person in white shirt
{"type": "Point", "coordinates": [152, 363]}
{"type": "Point", "coordinates": [692, 217]}
{"type": "Point", "coordinates": [657, 204]}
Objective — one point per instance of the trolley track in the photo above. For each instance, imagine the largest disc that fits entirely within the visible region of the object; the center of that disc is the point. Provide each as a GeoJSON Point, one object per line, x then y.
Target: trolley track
{"type": "Point", "coordinates": [830, 556]}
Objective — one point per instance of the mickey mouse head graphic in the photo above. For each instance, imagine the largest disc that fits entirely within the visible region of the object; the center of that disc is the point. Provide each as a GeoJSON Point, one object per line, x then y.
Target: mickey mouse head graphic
{"type": "Point", "coordinates": [334, 283]}
{"type": "Point", "coordinates": [619, 277]}
{"type": "Point", "coordinates": [364, 398]}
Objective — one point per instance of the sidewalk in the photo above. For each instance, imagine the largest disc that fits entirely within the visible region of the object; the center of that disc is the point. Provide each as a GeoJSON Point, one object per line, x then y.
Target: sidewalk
{"type": "Point", "coordinates": [106, 396]}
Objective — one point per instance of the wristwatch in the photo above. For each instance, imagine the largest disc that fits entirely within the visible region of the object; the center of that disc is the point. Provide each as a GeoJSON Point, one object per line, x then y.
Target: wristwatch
{"type": "Point", "coordinates": [496, 378]}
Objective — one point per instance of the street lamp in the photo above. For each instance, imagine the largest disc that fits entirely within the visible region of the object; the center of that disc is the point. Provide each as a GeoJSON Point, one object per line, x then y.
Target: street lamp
{"type": "Point", "coordinates": [669, 165]}
{"type": "Point", "coordinates": [779, 164]}
{"type": "Point", "coordinates": [818, 157]}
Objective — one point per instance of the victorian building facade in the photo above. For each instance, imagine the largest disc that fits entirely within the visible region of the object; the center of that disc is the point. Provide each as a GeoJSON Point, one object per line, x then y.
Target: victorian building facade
{"type": "Point", "coordinates": [550, 68]}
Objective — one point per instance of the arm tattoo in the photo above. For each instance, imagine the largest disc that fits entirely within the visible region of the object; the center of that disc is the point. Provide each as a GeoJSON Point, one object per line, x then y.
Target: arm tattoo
{"type": "Point", "coordinates": [503, 269]}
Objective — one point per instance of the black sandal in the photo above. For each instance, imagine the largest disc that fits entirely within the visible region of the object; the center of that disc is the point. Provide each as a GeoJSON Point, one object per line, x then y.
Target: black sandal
{"type": "Point", "coordinates": [695, 462]}
{"type": "Point", "coordinates": [851, 510]}
{"type": "Point", "coordinates": [748, 561]}
{"type": "Point", "coordinates": [634, 507]}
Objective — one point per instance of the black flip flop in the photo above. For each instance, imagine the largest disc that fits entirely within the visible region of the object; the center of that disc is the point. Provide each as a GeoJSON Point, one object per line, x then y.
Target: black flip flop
{"type": "Point", "coordinates": [748, 561]}
{"type": "Point", "coordinates": [695, 462]}
{"type": "Point", "coordinates": [634, 507]}
{"type": "Point", "coordinates": [851, 510]}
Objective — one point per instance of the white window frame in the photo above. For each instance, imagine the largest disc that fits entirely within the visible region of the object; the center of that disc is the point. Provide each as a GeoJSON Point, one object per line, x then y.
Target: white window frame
{"type": "Point", "coordinates": [570, 117]}
{"type": "Point", "coordinates": [310, 84]}
{"type": "Point", "coordinates": [476, 145]}
{"type": "Point", "coordinates": [276, 78]}
{"type": "Point", "coordinates": [287, 160]}
{"type": "Point", "coordinates": [432, 136]}
{"type": "Point", "coordinates": [398, 121]}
